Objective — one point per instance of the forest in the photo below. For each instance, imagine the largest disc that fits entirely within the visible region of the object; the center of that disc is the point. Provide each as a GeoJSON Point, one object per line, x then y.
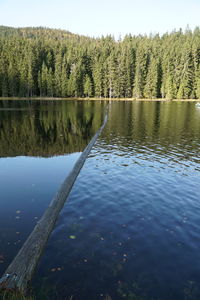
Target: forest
{"type": "Point", "coordinates": [43, 62]}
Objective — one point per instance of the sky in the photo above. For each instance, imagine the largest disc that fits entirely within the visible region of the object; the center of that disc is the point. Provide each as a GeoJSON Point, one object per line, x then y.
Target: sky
{"type": "Point", "coordinates": [101, 17]}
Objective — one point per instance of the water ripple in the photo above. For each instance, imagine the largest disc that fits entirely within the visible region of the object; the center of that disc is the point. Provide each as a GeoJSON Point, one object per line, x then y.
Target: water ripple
{"type": "Point", "coordinates": [134, 212]}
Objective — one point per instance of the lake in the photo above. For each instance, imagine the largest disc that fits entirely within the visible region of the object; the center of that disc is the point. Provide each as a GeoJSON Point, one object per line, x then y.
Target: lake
{"type": "Point", "coordinates": [130, 228]}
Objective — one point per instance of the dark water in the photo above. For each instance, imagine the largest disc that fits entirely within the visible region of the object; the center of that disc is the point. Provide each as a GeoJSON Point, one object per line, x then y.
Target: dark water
{"type": "Point", "coordinates": [39, 144]}
{"type": "Point", "coordinates": [131, 227]}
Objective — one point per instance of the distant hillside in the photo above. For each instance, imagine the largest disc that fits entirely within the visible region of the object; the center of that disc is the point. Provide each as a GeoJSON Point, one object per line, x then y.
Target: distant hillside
{"type": "Point", "coordinates": [37, 32]}
{"type": "Point", "coordinates": [56, 63]}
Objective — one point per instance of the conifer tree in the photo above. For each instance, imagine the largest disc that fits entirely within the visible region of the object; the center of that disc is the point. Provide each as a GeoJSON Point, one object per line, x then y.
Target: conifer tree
{"type": "Point", "coordinates": [64, 79]}
{"type": "Point", "coordinates": [186, 86]}
{"type": "Point", "coordinates": [87, 86]}
{"type": "Point", "coordinates": [58, 74]}
{"type": "Point", "coordinates": [50, 83]}
{"type": "Point", "coordinates": [98, 77]}
{"type": "Point", "coordinates": [140, 72]}
{"type": "Point", "coordinates": [151, 88]}
{"type": "Point", "coordinates": [112, 76]}
{"type": "Point", "coordinates": [197, 90]}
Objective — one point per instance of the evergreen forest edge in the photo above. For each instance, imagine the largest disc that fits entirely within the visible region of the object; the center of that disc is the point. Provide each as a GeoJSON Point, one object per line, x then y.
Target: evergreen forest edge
{"type": "Point", "coordinates": [45, 62]}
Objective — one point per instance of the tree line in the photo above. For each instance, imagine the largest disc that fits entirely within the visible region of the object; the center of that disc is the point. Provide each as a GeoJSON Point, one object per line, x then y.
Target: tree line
{"type": "Point", "coordinates": [56, 63]}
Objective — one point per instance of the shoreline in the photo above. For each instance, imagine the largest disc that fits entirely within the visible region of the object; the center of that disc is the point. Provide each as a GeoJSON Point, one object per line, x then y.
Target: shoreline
{"type": "Point", "coordinates": [97, 99]}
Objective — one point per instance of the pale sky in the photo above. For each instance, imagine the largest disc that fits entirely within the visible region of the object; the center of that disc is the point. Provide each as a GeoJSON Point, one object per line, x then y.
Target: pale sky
{"type": "Point", "coordinates": [102, 17]}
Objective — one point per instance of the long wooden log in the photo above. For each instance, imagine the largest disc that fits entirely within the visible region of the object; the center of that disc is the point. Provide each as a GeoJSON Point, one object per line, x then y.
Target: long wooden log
{"type": "Point", "coordinates": [20, 271]}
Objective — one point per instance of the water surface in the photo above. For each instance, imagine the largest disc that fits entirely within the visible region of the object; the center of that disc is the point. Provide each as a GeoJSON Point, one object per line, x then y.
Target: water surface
{"type": "Point", "coordinates": [39, 143]}
{"type": "Point", "coordinates": [130, 229]}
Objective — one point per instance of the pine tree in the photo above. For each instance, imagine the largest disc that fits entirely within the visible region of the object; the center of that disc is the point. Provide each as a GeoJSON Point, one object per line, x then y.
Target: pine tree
{"type": "Point", "coordinates": [186, 86]}
{"type": "Point", "coordinates": [197, 83]}
{"type": "Point", "coordinates": [13, 80]}
{"type": "Point", "coordinates": [151, 89]}
{"type": "Point", "coordinates": [140, 72]}
{"type": "Point", "coordinates": [98, 77]}
{"type": "Point", "coordinates": [50, 83]}
{"type": "Point", "coordinates": [112, 76]}
{"type": "Point", "coordinates": [169, 88]}
{"type": "Point", "coordinates": [58, 74]}
{"type": "Point", "coordinates": [23, 79]}
{"type": "Point", "coordinates": [64, 79]}
{"type": "Point", "coordinates": [87, 86]}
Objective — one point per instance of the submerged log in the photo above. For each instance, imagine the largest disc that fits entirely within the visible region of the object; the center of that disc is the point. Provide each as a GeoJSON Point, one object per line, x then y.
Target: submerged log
{"type": "Point", "coordinates": [20, 271]}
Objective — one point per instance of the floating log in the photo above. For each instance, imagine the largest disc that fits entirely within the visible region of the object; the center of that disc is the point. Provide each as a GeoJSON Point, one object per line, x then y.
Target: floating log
{"type": "Point", "coordinates": [19, 273]}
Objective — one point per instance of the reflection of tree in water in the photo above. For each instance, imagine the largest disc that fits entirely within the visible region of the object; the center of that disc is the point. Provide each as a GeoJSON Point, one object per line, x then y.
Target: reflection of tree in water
{"type": "Point", "coordinates": [47, 128]}
{"type": "Point", "coordinates": [160, 126]}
